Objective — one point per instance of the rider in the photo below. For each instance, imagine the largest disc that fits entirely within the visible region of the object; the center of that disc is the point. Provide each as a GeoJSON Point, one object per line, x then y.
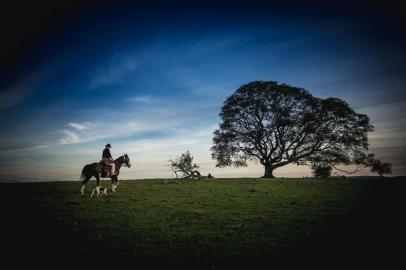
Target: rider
{"type": "Point", "coordinates": [108, 159]}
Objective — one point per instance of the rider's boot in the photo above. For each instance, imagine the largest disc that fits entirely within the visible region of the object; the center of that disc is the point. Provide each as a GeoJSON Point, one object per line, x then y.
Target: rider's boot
{"type": "Point", "coordinates": [113, 169]}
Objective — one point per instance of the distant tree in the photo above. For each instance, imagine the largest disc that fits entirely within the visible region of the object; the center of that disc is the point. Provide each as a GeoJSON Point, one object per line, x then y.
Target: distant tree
{"type": "Point", "coordinates": [322, 170]}
{"type": "Point", "coordinates": [277, 124]}
{"type": "Point", "coordinates": [184, 165]}
{"type": "Point", "coordinates": [381, 168]}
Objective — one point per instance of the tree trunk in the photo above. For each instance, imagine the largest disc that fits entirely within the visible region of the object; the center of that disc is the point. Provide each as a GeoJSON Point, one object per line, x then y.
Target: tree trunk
{"type": "Point", "coordinates": [268, 172]}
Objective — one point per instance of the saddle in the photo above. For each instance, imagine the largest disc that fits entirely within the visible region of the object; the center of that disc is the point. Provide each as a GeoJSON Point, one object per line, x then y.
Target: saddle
{"type": "Point", "coordinates": [105, 169]}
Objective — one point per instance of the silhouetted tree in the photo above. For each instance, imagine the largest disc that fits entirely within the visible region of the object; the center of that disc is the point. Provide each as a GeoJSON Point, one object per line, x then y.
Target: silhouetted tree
{"type": "Point", "coordinates": [277, 124]}
{"type": "Point", "coordinates": [381, 167]}
{"type": "Point", "coordinates": [183, 164]}
{"type": "Point", "coordinates": [322, 170]}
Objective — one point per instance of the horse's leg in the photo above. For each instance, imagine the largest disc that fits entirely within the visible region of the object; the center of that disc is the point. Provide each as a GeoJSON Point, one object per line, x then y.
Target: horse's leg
{"type": "Point", "coordinates": [84, 182]}
{"type": "Point", "coordinates": [97, 184]}
{"type": "Point", "coordinates": [114, 183]}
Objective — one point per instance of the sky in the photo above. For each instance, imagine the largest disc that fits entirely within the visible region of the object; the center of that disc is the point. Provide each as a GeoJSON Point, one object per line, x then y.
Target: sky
{"type": "Point", "coordinates": [150, 79]}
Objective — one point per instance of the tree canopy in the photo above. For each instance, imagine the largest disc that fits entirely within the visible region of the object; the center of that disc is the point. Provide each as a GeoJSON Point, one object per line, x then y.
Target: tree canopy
{"type": "Point", "coordinates": [277, 124]}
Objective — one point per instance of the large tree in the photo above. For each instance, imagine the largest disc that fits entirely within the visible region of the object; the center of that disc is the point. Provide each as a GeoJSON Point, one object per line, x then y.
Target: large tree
{"type": "Point", "coordinates": [277, 124]}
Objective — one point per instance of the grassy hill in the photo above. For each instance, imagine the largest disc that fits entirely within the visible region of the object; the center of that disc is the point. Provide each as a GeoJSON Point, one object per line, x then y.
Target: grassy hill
{"type": "Point", "coordinates": [204, 223]}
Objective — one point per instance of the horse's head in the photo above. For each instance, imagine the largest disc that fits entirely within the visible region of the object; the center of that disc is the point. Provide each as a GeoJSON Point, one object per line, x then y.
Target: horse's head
{"type": "Point", "coordinates": [127, 161]}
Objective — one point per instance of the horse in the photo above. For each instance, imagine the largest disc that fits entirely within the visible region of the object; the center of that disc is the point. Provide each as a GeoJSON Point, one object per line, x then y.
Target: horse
{"type": "Point", "coordinates": [96, 170]}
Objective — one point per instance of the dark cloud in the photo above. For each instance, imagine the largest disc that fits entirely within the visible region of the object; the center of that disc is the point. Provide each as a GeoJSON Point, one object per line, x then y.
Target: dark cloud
{"type": "Point", "coordinates": [31, 29]}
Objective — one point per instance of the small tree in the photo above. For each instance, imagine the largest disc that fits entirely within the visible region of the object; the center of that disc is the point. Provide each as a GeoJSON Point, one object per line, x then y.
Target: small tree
{"type": "Point", "coordinates": [322, 170]}
{"type": "Point", "coordinates": [381, 167]}
{"type": "Point", "coordinates": [183, 164]}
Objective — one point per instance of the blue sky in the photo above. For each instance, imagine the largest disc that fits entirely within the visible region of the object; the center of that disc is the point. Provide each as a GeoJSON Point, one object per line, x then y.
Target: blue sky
{"type": "Point", "coordinates": [152, 81]}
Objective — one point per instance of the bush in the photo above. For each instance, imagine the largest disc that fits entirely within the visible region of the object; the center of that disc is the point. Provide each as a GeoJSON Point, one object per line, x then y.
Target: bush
{"type": "Point", "coordinates": [322, 170]}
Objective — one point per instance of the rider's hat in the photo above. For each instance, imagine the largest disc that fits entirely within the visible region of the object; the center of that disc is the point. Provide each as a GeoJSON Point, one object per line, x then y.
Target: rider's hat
{"type": "Point", "coordinates": [108, 145]}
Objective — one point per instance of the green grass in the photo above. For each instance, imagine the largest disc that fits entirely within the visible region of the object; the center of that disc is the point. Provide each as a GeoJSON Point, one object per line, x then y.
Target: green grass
{"type": "Point", "coordinates": [205, 223]}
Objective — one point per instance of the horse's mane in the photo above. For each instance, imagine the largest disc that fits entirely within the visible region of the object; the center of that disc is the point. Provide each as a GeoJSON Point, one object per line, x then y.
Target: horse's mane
{"type": "Point", "coordinates": [120, 157]}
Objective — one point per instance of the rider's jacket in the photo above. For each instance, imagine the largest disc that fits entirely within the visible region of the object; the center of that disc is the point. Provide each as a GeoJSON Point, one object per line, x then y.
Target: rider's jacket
{"type": "Point", "coordinates": [106, 153]}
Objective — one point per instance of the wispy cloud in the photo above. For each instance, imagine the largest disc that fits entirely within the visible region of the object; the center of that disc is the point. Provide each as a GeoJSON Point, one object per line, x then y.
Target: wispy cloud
{"type": "Point", "coordinates": [82, 126]}
{"type": "Point", "coordinates": [117, 67]}
{"type": "Point", "coordinates": [21, 146]}
{"type": "Point", "coordinates": [69, 137]}
{"type": "Point", "coordinates": [73, 136]}
{"type": "Point", "coordinates": [143, 99]}
{"type": "Point", "coordinates": [167, 119]}
{"type": "Point", "coordinates": [21, 90]}
{"type": "Point", "coordinates": [108, 130]}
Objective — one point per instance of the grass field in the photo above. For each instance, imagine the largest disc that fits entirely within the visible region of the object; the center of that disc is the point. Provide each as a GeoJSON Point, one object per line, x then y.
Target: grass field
{"type": "Point", "coordinates": [204, 223]}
